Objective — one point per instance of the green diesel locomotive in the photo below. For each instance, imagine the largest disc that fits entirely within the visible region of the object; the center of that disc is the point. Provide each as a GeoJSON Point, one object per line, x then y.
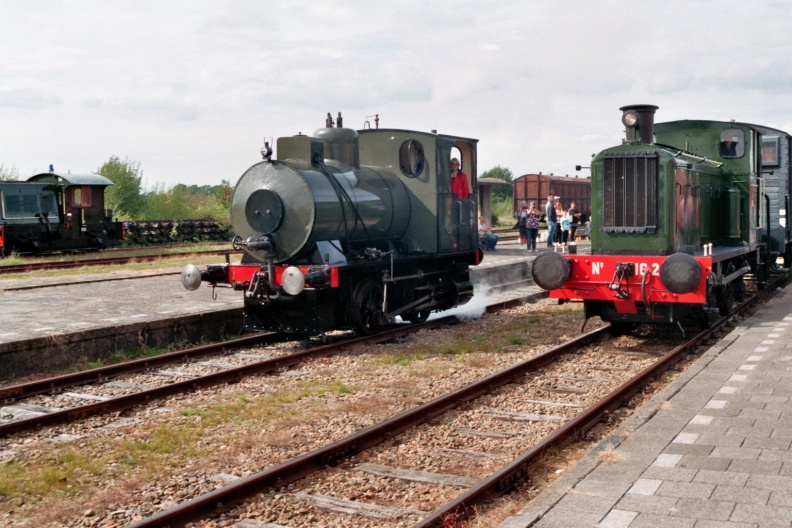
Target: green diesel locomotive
{"type": "Point", "coordinates": [682, 213]}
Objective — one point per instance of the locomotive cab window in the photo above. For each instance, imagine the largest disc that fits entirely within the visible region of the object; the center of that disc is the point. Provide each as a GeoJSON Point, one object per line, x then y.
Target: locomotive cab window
{"type": "Point", "coordinates": [732, 143]}
{"type": "Point", "coordinates": [411, 158]}
{"type": "Point", "coordinates": [770, 148]}
{"type": "Point", "coordinates": [81, 196]}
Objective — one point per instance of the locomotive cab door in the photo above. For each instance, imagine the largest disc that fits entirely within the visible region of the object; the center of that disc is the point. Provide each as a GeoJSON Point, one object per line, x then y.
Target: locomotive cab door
{"type": "Point", "coordinates": [457, 210]}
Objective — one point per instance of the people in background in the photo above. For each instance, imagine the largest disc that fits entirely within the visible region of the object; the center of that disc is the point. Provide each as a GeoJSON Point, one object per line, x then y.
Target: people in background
{"type": "Point", "coordinates": [486, 235]}
{"type": "Point", "coordinates": [521, 218]}
{"type": "Point", "coordinates": [552, 220]}
{"type": "Point", "coordinates": [574, 215]}
{"type": "Point", "coordinates": [532, 218]}
{"type": "Point", "coordinates": [566, 222]}
{"type": "Point", "coordinates": [559, 228]}
{"type": "Point", "coordinates": [459, 180]}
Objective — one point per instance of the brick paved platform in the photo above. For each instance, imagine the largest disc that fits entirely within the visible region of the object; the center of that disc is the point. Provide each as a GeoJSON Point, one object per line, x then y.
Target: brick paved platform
{"type": "Point", "coordinates": [711, 450]}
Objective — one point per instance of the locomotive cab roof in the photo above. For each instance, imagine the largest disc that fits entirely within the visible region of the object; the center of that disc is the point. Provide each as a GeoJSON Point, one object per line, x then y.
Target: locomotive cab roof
{"type": "Point", "coordinates": [71, 179]}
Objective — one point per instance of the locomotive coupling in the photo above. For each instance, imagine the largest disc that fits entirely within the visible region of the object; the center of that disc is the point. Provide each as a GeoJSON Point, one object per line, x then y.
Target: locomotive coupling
{"type": "Point", "coordinates": [263, 243]}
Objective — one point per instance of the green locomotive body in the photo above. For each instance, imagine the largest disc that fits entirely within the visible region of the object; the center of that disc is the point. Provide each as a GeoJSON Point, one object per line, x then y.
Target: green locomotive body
{"type": "Point", "coordinates": [682, 213]}
{"type": "Point", "coordinates": [351, 229]}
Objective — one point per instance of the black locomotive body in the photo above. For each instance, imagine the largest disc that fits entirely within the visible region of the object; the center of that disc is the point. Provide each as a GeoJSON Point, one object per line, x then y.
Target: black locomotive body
{"type": "Point", "coordinates": [51, 212]}
{"type": "Point", "coordinates": [350, 229]}
{"type": "Point", "coordinates": [683, 213]}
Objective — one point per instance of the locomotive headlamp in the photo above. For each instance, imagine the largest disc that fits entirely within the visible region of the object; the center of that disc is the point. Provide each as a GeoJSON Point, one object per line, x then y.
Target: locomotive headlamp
{"type": "Point", "coordinates": [630, 119]}
{"type": "Point", "coordinates": [292, 280]}
{"type": "Point", "coordinates": [191, 277]}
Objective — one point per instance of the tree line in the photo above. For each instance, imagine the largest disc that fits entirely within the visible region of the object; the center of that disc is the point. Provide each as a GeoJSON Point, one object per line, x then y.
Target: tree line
{"type": "Point", "coordinates": [130, 201]}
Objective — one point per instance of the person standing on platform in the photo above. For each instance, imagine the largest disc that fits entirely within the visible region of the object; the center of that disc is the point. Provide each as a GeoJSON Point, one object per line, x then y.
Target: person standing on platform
{"type": "Point", "coordinates": [575, 215]}
{"type": "Point", "coordinates": [521, 224]}
{"type": "Point", "coordinates": [532, 218]}
{"type": "Point", "coordinates": [559, 228]}
{"type": "Point", "coordinates": [552, 220]}
{"type": "Point", "coordinates": [566, 222]}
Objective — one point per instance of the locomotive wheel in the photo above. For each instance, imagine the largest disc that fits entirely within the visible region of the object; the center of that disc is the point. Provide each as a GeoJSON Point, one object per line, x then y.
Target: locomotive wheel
{"type": "Point", "coordinates": [726, 297]}
{"type": "Point", "coordinates": [739, 284]}
{"type": "Point", "coordinates": [419, 317]}
{"type": "Point", "coordinates": [367, 316]}
{"type": "Point", "coordinates": [726, 300]}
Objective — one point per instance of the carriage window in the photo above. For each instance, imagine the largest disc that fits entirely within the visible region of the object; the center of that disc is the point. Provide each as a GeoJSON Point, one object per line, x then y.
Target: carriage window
{"type": "Point", "coordinates": [770, 151]}
{"type": "Point", "coordinates": [732, 143]}
{"type": "Point", "coordinates": [81, 196]}
{"type": "Point", "coordinates": [411, 158]}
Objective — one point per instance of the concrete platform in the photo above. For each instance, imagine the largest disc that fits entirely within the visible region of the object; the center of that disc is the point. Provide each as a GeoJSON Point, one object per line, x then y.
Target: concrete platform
{"type": "Point", "coordinates": [43, 329]}
{"type": "Point", "coordinates": [712, 449]}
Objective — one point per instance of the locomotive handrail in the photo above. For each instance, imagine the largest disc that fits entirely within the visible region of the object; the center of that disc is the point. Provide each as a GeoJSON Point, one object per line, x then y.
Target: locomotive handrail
{"type": "Point", "coordinates": [683, 154]}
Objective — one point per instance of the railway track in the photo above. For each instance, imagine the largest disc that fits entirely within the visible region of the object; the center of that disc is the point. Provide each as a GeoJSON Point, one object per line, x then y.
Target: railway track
{"type": "Point", "coordinates": [53, 401]}
{"type": "Point", "coordinates": [284, 492]}
{"type": "Point", "coordinates": [544, 401]}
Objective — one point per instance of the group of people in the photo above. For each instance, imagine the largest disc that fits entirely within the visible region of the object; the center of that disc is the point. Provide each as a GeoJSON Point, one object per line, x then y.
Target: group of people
{"type": "Point", "coordinates": [528, 225]}
{"type": "Point", "coordinates": [561, 225]}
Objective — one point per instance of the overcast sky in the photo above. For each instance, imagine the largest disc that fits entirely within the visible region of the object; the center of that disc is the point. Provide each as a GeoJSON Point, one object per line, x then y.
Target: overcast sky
{"type": "Point", "coordinates": [190, 89]}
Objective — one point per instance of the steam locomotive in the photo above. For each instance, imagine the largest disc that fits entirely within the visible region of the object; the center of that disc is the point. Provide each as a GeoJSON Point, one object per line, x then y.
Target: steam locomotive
{"type": "Point", "coordinates": [350, 229]}
{"type": "Point", "coordinates": [682, 214]}
{"type": "Point", "coordinates": [54, 212]}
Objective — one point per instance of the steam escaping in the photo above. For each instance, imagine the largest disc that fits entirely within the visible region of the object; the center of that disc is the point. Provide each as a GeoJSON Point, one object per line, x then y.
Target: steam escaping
{"type": "Point", "coordinates": [497, 286]}
{"type": "Point", "coordinates": [492, 285]}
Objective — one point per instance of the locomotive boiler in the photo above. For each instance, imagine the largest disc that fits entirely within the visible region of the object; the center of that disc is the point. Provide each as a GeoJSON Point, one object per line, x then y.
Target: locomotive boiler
{"type": "Point", "coordinates": [682, 213]}
{"type": "Point", "coordinates": [351, 229]}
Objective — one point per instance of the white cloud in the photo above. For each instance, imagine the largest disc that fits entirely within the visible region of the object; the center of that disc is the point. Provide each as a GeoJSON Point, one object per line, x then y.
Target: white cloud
{"type": "Point", "coordinates": [190, 89]}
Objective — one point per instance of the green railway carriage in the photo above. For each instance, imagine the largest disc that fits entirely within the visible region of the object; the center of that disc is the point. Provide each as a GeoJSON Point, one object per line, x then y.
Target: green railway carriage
{"type": "Point", "coordinates": [684, 211]}
{"type": "Point", "coordinates": [56, 212]}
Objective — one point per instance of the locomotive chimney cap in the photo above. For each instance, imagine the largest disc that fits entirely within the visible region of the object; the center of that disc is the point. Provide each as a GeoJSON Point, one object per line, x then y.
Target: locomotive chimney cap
{"type": "Point", "coordinates": [639, 122]}
{"type": "Point", "coordinates": [632, 114]}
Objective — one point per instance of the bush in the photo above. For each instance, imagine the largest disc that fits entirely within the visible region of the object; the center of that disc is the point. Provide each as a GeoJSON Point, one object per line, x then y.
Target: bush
{"type": "Point", "coordinates": [502, 212]}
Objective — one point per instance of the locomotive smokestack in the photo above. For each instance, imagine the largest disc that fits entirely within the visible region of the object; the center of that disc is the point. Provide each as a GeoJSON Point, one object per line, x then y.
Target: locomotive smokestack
{"type": "Point", "coordinates": [639, 122]}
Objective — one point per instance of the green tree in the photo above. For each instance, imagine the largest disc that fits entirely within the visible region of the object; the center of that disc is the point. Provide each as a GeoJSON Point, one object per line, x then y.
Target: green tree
{"type": "Point", "coordinates": [125, 197]}
{"type": "Point", "coordinates": [182, 202]}
{"type": "Point", "coordinates": [501, 173]}
{"type": "Point", "coordinates": [8, 173]}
